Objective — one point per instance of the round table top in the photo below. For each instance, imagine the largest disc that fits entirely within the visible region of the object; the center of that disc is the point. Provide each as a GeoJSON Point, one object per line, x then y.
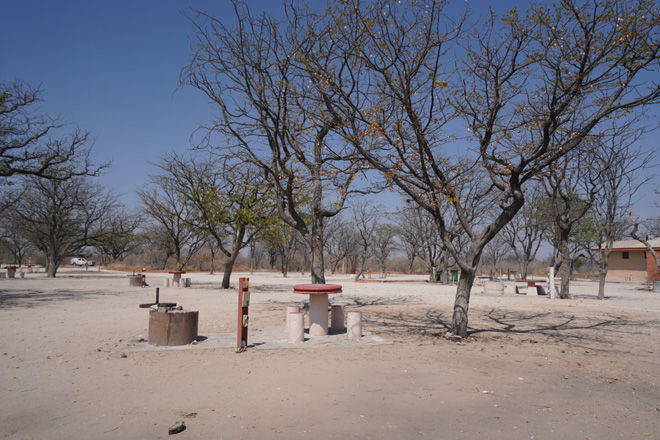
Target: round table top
{"type": "Point", "coordinates": [317, 289]}
{"type": "Point", "coordinates": [177, 271]}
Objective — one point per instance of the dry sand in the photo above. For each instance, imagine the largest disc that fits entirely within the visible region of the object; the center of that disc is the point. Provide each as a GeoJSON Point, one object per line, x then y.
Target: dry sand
{"type": "Point", "coordinates": [534, 368]}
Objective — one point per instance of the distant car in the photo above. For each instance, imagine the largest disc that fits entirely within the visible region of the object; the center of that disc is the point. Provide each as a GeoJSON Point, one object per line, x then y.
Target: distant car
{"type": "Point", "coordinates": [81, 262]}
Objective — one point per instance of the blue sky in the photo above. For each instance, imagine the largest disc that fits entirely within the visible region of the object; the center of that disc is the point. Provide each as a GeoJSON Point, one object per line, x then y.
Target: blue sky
{"type": "Point", "coordinates": [112, 68]}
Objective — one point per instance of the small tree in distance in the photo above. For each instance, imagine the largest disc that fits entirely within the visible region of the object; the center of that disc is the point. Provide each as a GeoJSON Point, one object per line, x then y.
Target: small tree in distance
{"type": "Point", "coordinates": [60, 217]}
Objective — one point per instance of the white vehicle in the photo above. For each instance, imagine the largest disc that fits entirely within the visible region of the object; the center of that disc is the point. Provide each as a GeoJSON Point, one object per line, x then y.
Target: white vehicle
{"type": "Point", "coordinates": [81, 262]}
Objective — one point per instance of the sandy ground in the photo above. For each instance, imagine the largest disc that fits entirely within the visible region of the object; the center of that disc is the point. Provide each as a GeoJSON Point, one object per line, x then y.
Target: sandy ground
{"type": "Point", "coordinates": [72, 366]}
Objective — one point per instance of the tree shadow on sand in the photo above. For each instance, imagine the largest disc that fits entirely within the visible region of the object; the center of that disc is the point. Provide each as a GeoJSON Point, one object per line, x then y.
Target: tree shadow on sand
{"type": "Point", "coordinates": [28, 299]}
{"type": "Point", "coordinates": [558, 327]}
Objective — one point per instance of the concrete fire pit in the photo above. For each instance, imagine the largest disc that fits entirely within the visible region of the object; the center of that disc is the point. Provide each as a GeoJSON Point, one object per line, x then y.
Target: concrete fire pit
{"type": "Point", "coordinates": [172, 327]}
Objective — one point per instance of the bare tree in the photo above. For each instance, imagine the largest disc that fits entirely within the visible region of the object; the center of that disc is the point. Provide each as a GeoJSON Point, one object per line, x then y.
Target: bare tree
{"type": "Point", "coordinates": [494, 253]}
{"type": "Point", "coordinates": [35, 144]}
{"type": "Point", "coordinates": [384, 244]}
{"type": "Point", "coordinates": [339, 241]}
{"type": "Point", "coordinates": [120, 236]}
{"type": "Point", "coordinates": [364, 220]}
{"type": "Point", "coordinates": [409, 237]}
{"type": "Point", "coordinates": [60, 217]}
{"type": "Point", "coordinates": [621, 163]}
{"type": "Point", "coordinates": [524, 234]}
{"type": "Point", "coordinates": [571, 185]}
{"type": "Point", "coordinates": [172, 232]}
{"type": "Point", "coordinates": [528, 88]}
{"type": "Point", "coordinates": [13, 240]}
{"type": "Point", "coordinates": [275, 110]}
{"type": "Point", "coordinates": [231, 204]}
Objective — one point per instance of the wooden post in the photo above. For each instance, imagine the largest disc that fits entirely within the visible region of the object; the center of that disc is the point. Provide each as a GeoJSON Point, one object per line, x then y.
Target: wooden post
{"type": "Point", "coordinates": [243, 306]}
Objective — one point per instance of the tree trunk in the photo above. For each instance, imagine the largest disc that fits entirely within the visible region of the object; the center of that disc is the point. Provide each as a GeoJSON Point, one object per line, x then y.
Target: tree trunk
{"type": "Point", "coordinates": [212, 262]}
{"type": "Point", "coordinates": [360, 271]}
{"type": "Point", "coordinates": [524, 266]}
{"type": "Point", "coordinates": [229, 267]}
{"type": "Point", "coordinates": [601, 285]}
{"type": "Point", "coordinates": [604, 267]}
{"type": "Point", "coordinates": [565, 268]}
{"type": "Point", "coordinates": [459, 322]}
{"type": "Point", "coordinates": [52, 264]}
{"type": "Point", "coordinates": [432, 275]}
{"type": "Point", "coordinates": [318, 275]}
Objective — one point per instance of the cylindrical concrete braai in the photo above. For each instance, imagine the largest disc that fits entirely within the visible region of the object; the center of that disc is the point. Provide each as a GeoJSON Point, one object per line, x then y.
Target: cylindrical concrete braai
{"type": "Point", "coordinates": [172, 327]}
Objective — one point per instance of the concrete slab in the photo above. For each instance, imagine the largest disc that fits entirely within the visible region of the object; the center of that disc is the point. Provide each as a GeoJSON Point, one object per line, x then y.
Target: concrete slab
{"type": "Point", "coordinates": [274, 339]}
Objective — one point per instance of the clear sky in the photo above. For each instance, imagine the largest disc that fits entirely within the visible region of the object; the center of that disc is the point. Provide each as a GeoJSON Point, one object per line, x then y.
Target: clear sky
{"type": "Point", "coordinates": [112, 68]}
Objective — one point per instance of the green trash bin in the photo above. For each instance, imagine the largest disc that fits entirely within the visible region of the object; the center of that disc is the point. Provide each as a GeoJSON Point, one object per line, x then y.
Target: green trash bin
{"type": "Point", "coordinates": [437, 275]}
{"type": "Point", "coordinates": [453, 274]}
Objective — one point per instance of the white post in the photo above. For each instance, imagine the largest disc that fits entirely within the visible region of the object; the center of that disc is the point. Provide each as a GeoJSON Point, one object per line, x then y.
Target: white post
{"type": "Point", "coordinates": [354, 325]}
{"type": "Point", "coordinates": [318, 314]}
{"type": "Point", "coordinates": [297, 328]}
{"type": "Point", "coordinates": [337, 317]}
{"type": "Point", "coordinates": [289, 311]}
{"type": "Point", "coordinates": [551, 282]}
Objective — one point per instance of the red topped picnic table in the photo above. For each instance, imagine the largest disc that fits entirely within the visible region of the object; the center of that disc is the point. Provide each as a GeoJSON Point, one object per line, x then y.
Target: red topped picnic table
{"type": "Point", "coordinates": [176, 277]}
{"type": "Point", "coordinates": [532, 287]}
{"type": "Point", "coordinates": [11, 271]}
{"type": "Point", "coordinates": [318, 305]}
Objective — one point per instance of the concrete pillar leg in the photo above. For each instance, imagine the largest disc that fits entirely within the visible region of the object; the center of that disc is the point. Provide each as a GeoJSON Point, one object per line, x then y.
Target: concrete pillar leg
{"type": "Point", "coordinates": [318, 314]}
{"type": "Point", "coordinates": [337, 317]}
{"type": "Point", "coordinates": [22, 274]}
{"type": "Point", "coordinates": [354, 325]}
{"type": "Point", "coordinates": [289, 311]}
{"type": "Point", "coordinates": [166, 282]}
{"type": "Point", "coordinates": [296, 327]}
{"type": "Point", "coordinates": [188, 282]}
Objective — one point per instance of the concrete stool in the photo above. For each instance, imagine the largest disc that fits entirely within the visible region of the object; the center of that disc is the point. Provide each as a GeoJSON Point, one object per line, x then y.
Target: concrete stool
{"type": "Point", "coordinates": [337, 317]}
{"type": "Point", "coordinates": [166, 282]}
{"type": "Point", "coordinates": [354, 325]}
{"type": "Point", "coordinates": [22, 274]}
{"type": "Point", "coordinates": [296, 327]}
{"type": "Point", "coordinates": [289, 311]}
{"type": "Point", "coordinates": [188, 283]}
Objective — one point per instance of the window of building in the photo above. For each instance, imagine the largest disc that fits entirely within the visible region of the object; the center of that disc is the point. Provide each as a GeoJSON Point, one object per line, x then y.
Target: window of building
{"type": "Point", "coordinates": [626, 255]}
